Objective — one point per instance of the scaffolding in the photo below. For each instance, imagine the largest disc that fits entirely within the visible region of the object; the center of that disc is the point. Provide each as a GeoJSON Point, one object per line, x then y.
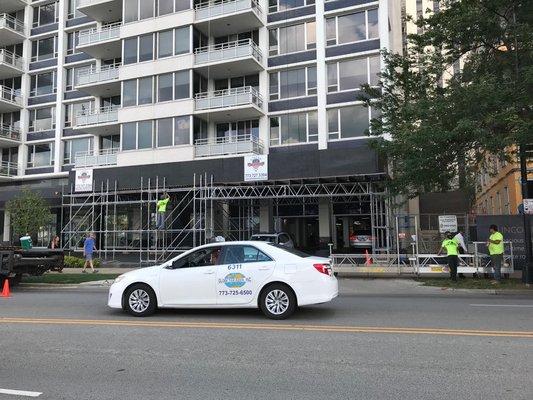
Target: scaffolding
{"type": "Point", "coordinates": [124, 220]}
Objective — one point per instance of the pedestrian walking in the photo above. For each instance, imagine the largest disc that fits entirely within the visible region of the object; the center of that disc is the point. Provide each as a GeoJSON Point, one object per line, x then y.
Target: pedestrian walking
{"type": "Point", "coordinates": [89, 247]}
{"type": "Point", "coordinates": [161, 209]}
{"type": "Point", "coordinates": [452, 250]}
{"type": "Point", "coordinates": [495, 246]}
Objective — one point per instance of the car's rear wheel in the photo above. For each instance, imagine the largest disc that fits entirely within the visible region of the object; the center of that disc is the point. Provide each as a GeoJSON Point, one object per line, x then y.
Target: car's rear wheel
{"type": "Point", "coordinates": [140, 300]}
{"type": "Point", "coordinates": [277, 301]}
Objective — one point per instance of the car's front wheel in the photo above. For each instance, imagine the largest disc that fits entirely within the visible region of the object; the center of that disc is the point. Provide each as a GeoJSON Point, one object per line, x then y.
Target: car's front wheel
{"type": "Point", "coordinates": [277, 301]}
{"type": "Point", "coordinates": [140, 300]}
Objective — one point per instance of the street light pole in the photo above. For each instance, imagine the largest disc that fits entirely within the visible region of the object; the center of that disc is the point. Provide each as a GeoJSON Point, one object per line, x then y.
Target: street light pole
{"type": "Point", "coordinates": [527, 274]}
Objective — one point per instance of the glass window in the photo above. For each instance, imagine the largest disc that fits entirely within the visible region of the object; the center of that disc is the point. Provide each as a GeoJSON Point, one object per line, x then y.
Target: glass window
{"type": "Point", "coordinates": [44, 49]}
{"type": "Point", "coordinates": [243, 254]}
{"type": "Point", "coordinates": [312, 126]}
{"type": "Point", "coordinates": [311, 35]}
{"type": "Point", "coordinates": [375, 69]}
{"type": "Point", "coordinates": [182, 42]}
{"type": "Point", "coordinates": [164, 132]}
{"type": "Point", "coordinates": [76, 146]}
{"type": "Point", "coordinates": [41, 155]}
{"type": "Point", "coordinates": [351, 28]}
{"type": "Point", "coordinates": [292, 39]}
{"type": "Point", "coordinates": [331, 31]}
{"type": "Point", "coordinates": [311, 80]}
{"type": "Point", "coordinates": [274, 92]}
{"type": "Point", "coordinates": [129, 136]}
{"type": "Point", "coordinates": [201, 258]}
{"type": "Point", "coordinates": [373, 27]}
{"type": "Point", "coordinates": [129, 93]}
{"type": "Point", "coordinates": [146, 8]}
{"type": "Point", "coordinates": [181, 85]}
{"type": "Point", "coordinates": [146, 47]}
{"type": "Point", "coordinates": [111, 142]}
{"type": "Point", "coordinates": [273, 41]}
{"type": "Point", "coordinates": [145, 91]}
{"type": "Point", "coordinates": [180, 5]}
{"type": "Point", "coordinates": [73, 9]}
{"type": "Point", "coordinates": [332, 77]}
{"type": "Point", "coordinates": [165, 44]}
{"type": "Point", "coordinates": [293, 128]}
{"type": "Point", "coordinates": [165, 7]}
{"type": "Point", "coordinates": [292, 83]}
{"type": "Point", "coordinates": [354, 121]}
{"type": "Point", "coordinates": [164, 87]}
{"type": "Point", "coordinates": [274, 131]}
{"type": "Point", "coordinates": [182, 128]}
{"type": "Point", "coordinates": [333, 123]}
{"type": "Point", "coordinates": [130, 51]}
{"type": "Point", "coordinates": [131, 10]}
{"type": "Point", "coordinates": [42, 119]}
{"type": "Point", "coordinates": [144, 135]}
{"type": "Point", "coordinates": [352, 74]}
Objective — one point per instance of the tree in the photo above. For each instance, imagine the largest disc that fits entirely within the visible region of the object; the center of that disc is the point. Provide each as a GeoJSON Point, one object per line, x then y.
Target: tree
{"type": "Point", "coordinates": [437, 136]}
{"type": "Point", "coordinates": [29, 212]}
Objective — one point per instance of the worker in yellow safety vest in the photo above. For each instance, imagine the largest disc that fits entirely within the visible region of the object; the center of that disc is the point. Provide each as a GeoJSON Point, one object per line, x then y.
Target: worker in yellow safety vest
{"type": "Point", "coordinates": [161, 209]}
{"type": "Point", "coordinates": [451, 245]}
{"type": "Point", "coordinates": [495, 246]}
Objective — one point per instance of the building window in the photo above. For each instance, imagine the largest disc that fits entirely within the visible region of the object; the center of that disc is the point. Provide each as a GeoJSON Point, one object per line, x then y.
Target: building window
{"type": "Point", "coordinates": [229, 130]}
{"type": "Point", "coordinates": [283, 5]}
{"type": "Point", "coordinates": [44, 49]}
{"type": "Point", "coordinates": [173, 86]}
{"type": "Point", "coordinates": [145, 91]}
{"type": "Point", "coordinates": [73, 9]}
{"type": "Point", "coordinates": [43, 84]}
{"type": "Point", "coordinates": [168, 132]}
{"type": "Point", "coordinates": [130, 55]}
{"type": "Point", "coordinates": [41, 155]}
{"type": "Point", "coordinates": [45, 14]}
{"type": "Point", "coordinates": [137, 10]}
{"type": "Point", "coordinates": [145, 48]}
{"type": "Point", "coordinates": [164, 44]}
{"type": "Point", "coordinates": [11, 120]}
{"type": "Point", "coordinates": [42, 119]}
{"type": "Point", "coordinates": [73, 39]}
{"type": "Point", "coordinates": [72, 75]}
{"type": "Point", "coordinates": [294, 128]}
{"type": "Point", "coordinates": [10, 154]}
{"type": "Point", "coordinates": [293, 83]}
{"type": "Point", "coordinates": [351, 74]}
{"type": "Point", "coordinates": [110, 143]}
{"type": "Point", "coordinates": [76, 146]}
{"type": "Point", "coordinates": [352, 28]}
{"type": "Point", "coordinates": [72, 110]}
{"type": "Point", "coordinates": [293, 38]}
{"type": "Point", "coordinates": [348, 122]}
{"type": "Point", "coordinates": [506, 205]}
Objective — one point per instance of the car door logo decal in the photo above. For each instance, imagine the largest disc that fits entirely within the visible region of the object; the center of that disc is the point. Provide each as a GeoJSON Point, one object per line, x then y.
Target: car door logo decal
{"type": "Point", "coordinates": [235, 280]}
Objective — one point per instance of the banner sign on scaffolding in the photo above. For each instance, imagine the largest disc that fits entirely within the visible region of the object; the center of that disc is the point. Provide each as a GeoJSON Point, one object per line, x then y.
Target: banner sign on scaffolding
{"type": "Point", "coordinates": [256, 168]}
{"type": "Point", "coordinates": [528, 206]}
{"type": "Point", "coordinates": [84, 180]}
{"type": "Point", "coordinates": [447, 223]}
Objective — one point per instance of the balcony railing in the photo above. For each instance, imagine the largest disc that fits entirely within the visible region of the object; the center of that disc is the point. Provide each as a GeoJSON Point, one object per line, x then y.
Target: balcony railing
{"type": "Point", "coordinates": [96, 75]}
{"type": "Point", "coordinates": [228, 145]}
{"type": "Point", "coordinates": [10, 95]}
{"type": "Point", "coordinates": [6, 57]}
{"type": "Point", "coordinates": [228, 98]}
{"type": "Point", "coordinates": [227, 51]}
{"type": "Point", "coordinates": [104, 115]}
{"type": "Point", "coordinates": [7, 21]}
{"type": "Point", "coordinates": [217, 8]}
{"type": "Point", "coordinates": [96, 159]}
{"type": "Point", "coordinates": [92, 36]}
{"type": "Point", "coordinates": [9, 132]}
{"type": "Point", "coordinates": [8, 169]}
{"type": "Point", "coordinates": [85, 3]}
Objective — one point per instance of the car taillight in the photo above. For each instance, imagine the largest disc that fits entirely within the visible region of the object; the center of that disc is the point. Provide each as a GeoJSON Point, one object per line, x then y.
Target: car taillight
{"type": "Point", "coordinates": [323, 268]}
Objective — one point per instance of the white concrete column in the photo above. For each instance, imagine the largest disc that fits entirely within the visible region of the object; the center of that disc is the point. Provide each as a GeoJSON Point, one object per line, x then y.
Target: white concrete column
{"type": "Point", "coordinates": [321, 75]}
{"type": "Point", "coordinates": [264, 128]}
{"type": "Point", "coordinates": [266, 216]}
{"type": "Point", "coordinates": [60, 83]}
{"type": "Point", "coordinates": [7, 227]}
{"type": "Point", "coordinates": [324, 222]}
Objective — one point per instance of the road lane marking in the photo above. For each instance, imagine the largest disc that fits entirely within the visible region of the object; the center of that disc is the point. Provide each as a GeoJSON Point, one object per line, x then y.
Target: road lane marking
{"type": "Point", "coordinates": [503, 305]}
{"type": "Point", "coordinates": [266, 326]}
{"type": "Point", "coordinates": [24, 393]}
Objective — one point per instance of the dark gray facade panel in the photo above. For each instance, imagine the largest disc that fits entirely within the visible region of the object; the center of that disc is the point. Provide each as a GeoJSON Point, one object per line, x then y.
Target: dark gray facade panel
{"type": "Point", "coordinates": [77, 57]}
{"type": "Point", "coordinates": [294, 148]}
{"type": "Point", "coordinates": [335, 5]}
{"type": "Point", "coordinates": [349, 144]}
{"type": "Point", "coordinates": [78, 21]}
{"type": "Point", "coordinates": [74, 94]}
{"type": "Point", "coordinates": [67, 168]}
{"type": "Point", "coordinates": [343, 97]}
{"type": "Point", "coordinates": [44, 29]}
{"type": "Point", "coordinates": [350, 48]}
{"type": "Point", "coordinates": [50, 188]}
{"type": "Point", "coordinates": [43, 64]}
{"type": "Point", "coordinates": [41, 135]}
{"type": "Point", "coordinates": [43, 170]}
{"type": "Point", "coordinates": [71, 132]}
{"type": "Point", "coordinates": [47, 98]}
{"type": "Point", "coordinates": [292, 58]}
{"type": "Point", "coordinates": [294, 13]}
{"type": "Point", "coordinates": [292, 104]}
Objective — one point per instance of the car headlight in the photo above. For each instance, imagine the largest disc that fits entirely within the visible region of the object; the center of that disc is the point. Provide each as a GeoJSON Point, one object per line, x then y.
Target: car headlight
{"type": "Point", "coordinates": [119, 278]}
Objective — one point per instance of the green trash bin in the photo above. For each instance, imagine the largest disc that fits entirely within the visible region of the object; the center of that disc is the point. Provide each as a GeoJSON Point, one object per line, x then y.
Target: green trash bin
{"type": "Point", "coordinates": [25, 242]}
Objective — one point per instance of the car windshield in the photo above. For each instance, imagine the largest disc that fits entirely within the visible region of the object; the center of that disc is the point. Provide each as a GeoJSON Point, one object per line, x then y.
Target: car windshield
{"type": "Point", "coordinates": [291, 250]}
{"type": "Point", "coordinates": [264, 238]}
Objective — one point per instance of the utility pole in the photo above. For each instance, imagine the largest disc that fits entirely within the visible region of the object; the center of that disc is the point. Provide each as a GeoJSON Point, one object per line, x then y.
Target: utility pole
{"type": "Point", "coordinates": [527, 274]}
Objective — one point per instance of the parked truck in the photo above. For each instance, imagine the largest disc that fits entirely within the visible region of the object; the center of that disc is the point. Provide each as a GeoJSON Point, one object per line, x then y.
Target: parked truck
{"type": "Point", "coordinates": [17, 262]}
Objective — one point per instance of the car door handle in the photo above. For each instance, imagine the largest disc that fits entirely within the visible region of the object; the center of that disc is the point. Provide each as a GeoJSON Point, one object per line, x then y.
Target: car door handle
{"type": "Point", "coordinates": [209, 272]}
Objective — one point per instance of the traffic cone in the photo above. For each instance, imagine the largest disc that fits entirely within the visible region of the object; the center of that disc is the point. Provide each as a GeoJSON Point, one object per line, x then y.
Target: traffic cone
{"type": "Point", "coordinates": [5, 290]}
{"type": "Point", "coordinates": [367, 258]}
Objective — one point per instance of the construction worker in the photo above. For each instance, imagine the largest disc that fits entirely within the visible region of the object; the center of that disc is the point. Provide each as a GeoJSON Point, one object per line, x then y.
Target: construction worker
{"type": "Point", "coordinates": [161, 209]}
{"type": "Point", "coordinates": [495, 246]}
{"type": "Point", "coordinates": [452, 251]}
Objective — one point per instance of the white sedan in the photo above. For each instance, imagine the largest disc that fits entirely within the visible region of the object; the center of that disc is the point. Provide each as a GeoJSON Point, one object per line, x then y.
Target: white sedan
{"type": "Point", "coordinates": [244, 274]}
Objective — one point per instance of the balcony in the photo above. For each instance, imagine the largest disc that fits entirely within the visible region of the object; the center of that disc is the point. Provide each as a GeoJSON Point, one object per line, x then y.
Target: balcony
{"type": "Point", "coordinates": [101, 43]}
{"type": "Point", "coordinates": [102, 10]}
{"type": "Point", "coordinates": [10, 100]}
{"type": "Point", "coordinates": [8, 170]}
{"type": "Point", "coordinates": [96, 159]}
{"type": "Point", "coordinates": [8, 6]}
{"type": "Point", "coordinates": [12, 30]}
{"type": "Point", "coordinates": [9, 136]}
{"type": "Point", "coordinates": [11, 65]}
{"type": "Point", "coordinates": [103, 121]}
{"type": "Point", "coordinates": [241, 144]}
{"type": "Point", "coordinates": [223, 17]}
{"type": "Point", "coordinates": [238, 58]}
{"type": "Point", "coordinates": [230, 104]}
{"type": "Point", "coordinates": [102, 81]}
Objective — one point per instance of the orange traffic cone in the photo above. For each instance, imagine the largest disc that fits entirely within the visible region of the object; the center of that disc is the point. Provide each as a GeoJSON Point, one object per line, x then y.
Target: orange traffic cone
{"type": "Point", "coordinates": [367, 258]}
{"type": "Point", "coordinates": [5, 290]}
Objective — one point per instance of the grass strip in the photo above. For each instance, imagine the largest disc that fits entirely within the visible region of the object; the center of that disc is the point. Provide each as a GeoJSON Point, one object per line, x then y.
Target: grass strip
{"type": "Point", "coordinates": [474, 283]}
{"type": "Point", "coordinates": [68, 278]}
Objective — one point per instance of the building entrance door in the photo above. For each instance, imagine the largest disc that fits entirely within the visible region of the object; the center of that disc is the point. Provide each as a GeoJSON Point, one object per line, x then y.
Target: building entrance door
{"type": "Point", "coordinates": [303, 231]}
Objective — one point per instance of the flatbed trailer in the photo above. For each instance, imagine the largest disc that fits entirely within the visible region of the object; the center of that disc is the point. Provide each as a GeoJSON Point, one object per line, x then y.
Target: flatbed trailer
{"type": "Point", "coordinates": [16, 262]}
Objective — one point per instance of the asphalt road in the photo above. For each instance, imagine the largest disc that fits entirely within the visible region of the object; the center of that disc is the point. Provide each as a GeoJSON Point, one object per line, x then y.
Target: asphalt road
{"type": "Point", "coordinates": [379, 340]}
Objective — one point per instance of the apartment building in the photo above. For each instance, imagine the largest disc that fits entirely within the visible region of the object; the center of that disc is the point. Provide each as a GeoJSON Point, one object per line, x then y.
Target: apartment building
{"type": "Point", "coordinates": [104, 100]}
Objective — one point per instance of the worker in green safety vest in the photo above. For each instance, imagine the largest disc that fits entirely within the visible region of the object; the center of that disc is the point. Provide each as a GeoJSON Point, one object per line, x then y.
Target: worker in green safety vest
{"type": "Point", "coordinates": [451, 245]}
{"type": "Point", "coordinates": [495, 246]}
{"type": "Point", "coordinates": [161, 209]}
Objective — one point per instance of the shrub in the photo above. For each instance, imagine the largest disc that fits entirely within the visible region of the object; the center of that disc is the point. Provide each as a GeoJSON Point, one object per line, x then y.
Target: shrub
{"type": "Point", "coordinates": [78, 262]}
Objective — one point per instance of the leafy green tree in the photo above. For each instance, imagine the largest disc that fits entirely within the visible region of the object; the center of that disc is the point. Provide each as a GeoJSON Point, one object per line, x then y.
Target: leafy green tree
{"type": "Point", "coordinates": [29, 212]}
{"type": "Point", "coordinates": [437, 128]}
